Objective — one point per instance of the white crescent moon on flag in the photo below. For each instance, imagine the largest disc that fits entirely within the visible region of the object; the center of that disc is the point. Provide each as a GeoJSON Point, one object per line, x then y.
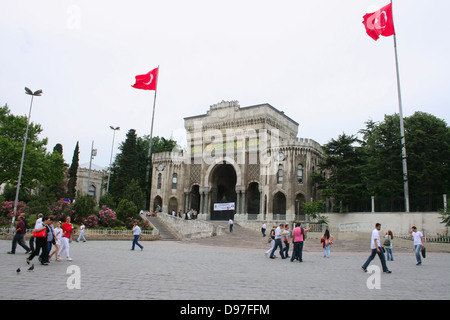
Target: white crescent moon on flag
{"type": "Point", "coordinates": [150, 81]}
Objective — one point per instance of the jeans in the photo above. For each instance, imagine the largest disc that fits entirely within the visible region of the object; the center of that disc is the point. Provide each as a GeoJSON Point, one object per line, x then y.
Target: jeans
{"type": "Point", "coordinates": [372, 256]}
{"type": "Point", "coordinates": [81, 236]}
{"type": "Point", "coordinates": [135, 242]}
{"type": "Point", "coordinates": [389, 254]}
{"type": "Point", "coordinates": [278, 243]}
{"type": "Point", "coordinates": [298, 251]}
{"type": "Point", "coordinates": [326, 250]}
{"type": "Point", "coordinates": [417, 248]}
{"type": "Point", "coordinates": [286, 249]}
{"type": "Point", "coordinates": [18, 239]}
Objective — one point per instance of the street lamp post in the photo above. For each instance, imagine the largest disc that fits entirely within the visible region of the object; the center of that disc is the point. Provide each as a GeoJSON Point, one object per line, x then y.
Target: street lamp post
{"type": "Point", "coordinates": [93, 154]}
{"type": "Point", "coordinates": [110, 160]}
{"type": "Point", "coordinates": [16, 200]}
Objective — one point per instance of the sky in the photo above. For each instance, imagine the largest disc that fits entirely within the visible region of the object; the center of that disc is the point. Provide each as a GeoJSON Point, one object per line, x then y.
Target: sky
{"type": "Point", "coordinates": [311, 59]}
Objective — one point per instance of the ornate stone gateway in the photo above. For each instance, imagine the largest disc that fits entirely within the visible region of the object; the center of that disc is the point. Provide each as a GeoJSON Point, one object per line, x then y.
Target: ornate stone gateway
{"type": "Point", "coordinates": [250, 157]}
{"type": "Point", "coordinates": [223, 190]}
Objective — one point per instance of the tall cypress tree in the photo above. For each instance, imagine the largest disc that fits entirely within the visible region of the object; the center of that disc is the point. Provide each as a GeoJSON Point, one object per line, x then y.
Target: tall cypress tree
{"type": "Point", "coordinates": [72, 183]}
{"type": "Point", "coordinates": [126, 166]}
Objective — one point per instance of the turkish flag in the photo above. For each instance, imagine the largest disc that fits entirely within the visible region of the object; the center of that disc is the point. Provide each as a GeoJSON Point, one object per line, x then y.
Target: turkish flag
{"type": "Point", "coordinates": [147, 81]}
{"type": "Point", "coordinates": [379, 23]}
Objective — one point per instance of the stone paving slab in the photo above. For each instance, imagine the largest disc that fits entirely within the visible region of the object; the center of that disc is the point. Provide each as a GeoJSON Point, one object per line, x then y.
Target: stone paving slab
{"type": "Point", "coordinates": [173, 270]}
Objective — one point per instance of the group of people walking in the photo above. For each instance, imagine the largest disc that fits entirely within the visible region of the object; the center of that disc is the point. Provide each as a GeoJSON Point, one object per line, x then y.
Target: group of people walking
{"type": "Point", "coordinates": [378, 248]}
{"type": "Point", "coordinates": [45, 236]}
{"type": "Point", "coordinates": [280, 238]}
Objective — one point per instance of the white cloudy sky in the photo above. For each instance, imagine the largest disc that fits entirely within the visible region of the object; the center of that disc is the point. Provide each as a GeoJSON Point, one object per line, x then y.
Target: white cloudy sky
{"type": "Point", "coordinates": [310, 59]}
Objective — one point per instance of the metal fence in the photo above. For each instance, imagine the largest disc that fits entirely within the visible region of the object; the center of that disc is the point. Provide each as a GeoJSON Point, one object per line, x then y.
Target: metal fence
{"type": "Point", "coordinates": [428, 237]}
{"type": "Point", "coordinates": [378, 204]}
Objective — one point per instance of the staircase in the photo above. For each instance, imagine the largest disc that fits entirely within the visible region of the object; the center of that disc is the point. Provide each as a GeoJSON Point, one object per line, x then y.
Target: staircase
{"type": "Point", "coordinates": [165, 233]}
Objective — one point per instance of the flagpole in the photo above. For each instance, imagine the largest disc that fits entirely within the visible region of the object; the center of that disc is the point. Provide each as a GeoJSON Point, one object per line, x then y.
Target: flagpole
{"type": "Point", "coordinates": [147, 176]}
{"type": "Point", "coordinates": [402, 128]}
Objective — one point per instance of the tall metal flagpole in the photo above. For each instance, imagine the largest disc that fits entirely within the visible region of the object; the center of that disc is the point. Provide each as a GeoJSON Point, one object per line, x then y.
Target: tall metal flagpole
{"type": "Point", "coordinates": [402, 128]}
{"type": "Point", "coordinates": [147, 175]}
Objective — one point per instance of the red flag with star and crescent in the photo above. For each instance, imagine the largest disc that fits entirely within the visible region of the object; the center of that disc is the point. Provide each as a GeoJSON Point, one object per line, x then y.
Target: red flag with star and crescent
{"type": "Point", "coordinates": [379, 23]}
{"type": "Point", "coordinates": [147, 81]}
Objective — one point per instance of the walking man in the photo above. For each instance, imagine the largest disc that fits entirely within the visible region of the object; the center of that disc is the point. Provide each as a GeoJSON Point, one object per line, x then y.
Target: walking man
{"type": "Point", "coordinates": [278, 243]}
{"type": "Point", "coordinates": [375, 245]}
{"type": "Point", "coordinates": [136, 234]}
{"type": "Point", "coordinates": [419, 243]}
{"type": "Point", "coordinates": [18, 237]}
{"type": "Point", "coordinates": [230, 224]}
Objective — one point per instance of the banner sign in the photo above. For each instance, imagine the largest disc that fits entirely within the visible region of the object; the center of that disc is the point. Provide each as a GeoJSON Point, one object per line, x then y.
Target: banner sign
{"type": "Point", "coordinates": [223, 206]}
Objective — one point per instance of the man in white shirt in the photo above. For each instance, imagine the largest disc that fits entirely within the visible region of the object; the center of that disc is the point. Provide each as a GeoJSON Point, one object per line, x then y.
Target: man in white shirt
{"type": "Point", "coordinates": [375, 245]}
{"type": "Point", "coordinates": [419, 243]}
{"type": "Point", "coordinates": [136, 234]}
{"type": "Point", "coordinates": [278, 242]}
{"type": "Point", "coordinates": [230, 224]}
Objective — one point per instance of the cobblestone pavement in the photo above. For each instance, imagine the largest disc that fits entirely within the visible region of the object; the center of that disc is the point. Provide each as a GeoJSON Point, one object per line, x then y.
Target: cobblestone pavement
{"type": "Point", "coordinates": [228, 267]}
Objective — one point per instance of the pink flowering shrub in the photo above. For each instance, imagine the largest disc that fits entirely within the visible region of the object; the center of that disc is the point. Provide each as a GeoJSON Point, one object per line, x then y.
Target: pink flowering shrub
{"type": "Point", "coordinates": [107, 217]}
{"type": "Point", "coordinates": [60, 210]}
{"type": "Point", "coordinates": [91, 221]}
{"type": "Point", "coordinates": [7, 211]}
{"type": "Point", "coordinates": [143, 224]}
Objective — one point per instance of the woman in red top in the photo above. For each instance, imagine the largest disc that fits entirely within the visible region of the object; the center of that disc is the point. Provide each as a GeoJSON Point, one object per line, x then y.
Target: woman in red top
{"type": "Point", "coordinates": [67, 229]}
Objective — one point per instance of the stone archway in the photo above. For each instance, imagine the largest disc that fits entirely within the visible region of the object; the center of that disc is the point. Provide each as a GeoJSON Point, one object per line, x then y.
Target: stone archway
{"type": "Point", "coordinates": [253, 198]}
{"type": "Point", "coordinates": [279, 206]}
{"type": "Point", "coordinates": [195, 198]}
{"type": "Point", "coordinates": [223, 190]}
{"type": "Point", "coordinates": [157, 203]}
{"type": "Point", "coordinates": [173, 205]}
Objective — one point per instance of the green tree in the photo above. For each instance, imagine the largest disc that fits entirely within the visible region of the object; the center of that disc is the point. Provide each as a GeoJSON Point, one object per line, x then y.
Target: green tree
{"type": "Point", "coordinates": [127, 166]}
{"type": "Point", "coordinates": [131, 163]}
{"type": "Point", "coordinates": [84, 206]}
{"type": "Point", "coordinates": [428, 150]}
{"type": "Point", "coordinates": [126, 209]}
{"type": "Point", "coordinates": [343, 161]}
{"type": "Point", "coordinates": [383, 171]}
{"type": "Point", "coordinates": [72, 183]}
{"type": "Point", "coordinates": [40, 168]}
{"type": "Point", "coordinates": [133, 192]}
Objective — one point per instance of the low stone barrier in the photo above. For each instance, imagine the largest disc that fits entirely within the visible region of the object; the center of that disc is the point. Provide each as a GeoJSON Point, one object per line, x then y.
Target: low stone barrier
{"type": "Point", "coordinates": [191, 229]}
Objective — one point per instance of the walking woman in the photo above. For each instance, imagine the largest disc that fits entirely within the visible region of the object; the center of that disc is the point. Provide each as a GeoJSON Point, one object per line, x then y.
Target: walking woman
{"type": "Point", "coordinates": [327, 240]}
{"type": "Point", "coordinates": [40, 234]}
{"type": "Point", "coordinates": [67, 229]}
{"type": "Point", "coordinates": [388, 236]}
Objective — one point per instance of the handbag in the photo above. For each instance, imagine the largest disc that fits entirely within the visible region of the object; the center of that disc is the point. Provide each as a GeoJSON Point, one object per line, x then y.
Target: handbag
{"type": "Point", "coordinates": [386, 243]}
{"type": "Point", "coordinates": [40, 234]}
{"type": "Point", "coordinates": [423, 251]}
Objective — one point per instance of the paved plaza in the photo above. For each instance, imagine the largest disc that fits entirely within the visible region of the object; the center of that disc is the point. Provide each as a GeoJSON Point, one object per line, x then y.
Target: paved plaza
{"type": "Point", "coordinates": [228, 267]}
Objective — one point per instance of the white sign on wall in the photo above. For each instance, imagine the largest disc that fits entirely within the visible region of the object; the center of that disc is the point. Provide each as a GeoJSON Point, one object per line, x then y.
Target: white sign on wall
{"type": "Point", "coordinates": [223, 206]}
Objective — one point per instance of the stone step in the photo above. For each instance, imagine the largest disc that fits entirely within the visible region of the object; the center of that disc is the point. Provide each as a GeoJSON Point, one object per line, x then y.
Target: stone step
{"type": "Point", "coordinates": [164, 232]}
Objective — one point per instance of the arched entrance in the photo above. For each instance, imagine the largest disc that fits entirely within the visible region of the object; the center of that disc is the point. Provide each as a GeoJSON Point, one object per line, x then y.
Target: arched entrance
{"type": "Point", "coordinates": [223, 190]}
{"type": "Point", "coordinates": [253, 198]}
{"type": "Point", "coordinates": [195, 198]}
{"type": "Point", "coordinates": [157, 204]}
{"type": "Point", "coordinates": [173, 205]}
{"type": "Point", "coordinates": [279, 206]}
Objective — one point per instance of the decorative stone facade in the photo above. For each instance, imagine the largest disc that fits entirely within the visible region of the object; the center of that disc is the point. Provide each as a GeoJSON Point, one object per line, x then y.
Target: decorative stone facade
{"type": "Point", "coordinates": [249, 157]}
{"type": "Point", "coordinates": [97, 182]}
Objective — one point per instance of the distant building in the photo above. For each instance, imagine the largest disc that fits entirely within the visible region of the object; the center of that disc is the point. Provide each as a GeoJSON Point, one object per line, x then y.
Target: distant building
{"type": "Point", "coordinates": [97, 180]}
{"type": "Point", "coordinates": [245, 163]}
